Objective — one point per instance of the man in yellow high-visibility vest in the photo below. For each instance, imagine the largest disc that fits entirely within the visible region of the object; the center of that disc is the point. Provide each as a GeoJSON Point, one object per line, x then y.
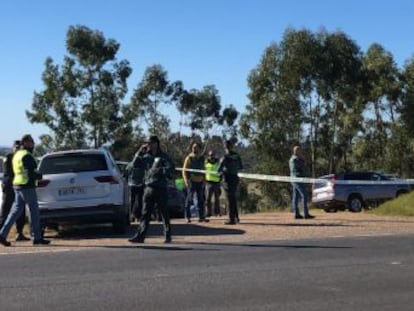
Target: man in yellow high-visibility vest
{"type": "Point", "coordinates": [24, 184]}
{"type": "Point", "coordinates": [213, 185]}
{"type": "Point", "coordinates": [8, 194]}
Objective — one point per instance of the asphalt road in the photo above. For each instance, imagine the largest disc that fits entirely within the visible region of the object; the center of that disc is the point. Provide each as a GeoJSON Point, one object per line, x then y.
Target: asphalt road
{"type": "Point", "coordinates": [365, 273]}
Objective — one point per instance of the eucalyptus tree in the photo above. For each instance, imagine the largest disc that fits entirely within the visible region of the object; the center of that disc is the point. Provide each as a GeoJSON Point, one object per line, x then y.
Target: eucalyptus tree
{"type": "Point", "coordinates": [273, 114]}
{"type": "Point", "coordinates": [299, 72]}
{"type": "Point", "coordinates": [407, 115]}
{"type": "Point", "coordinates": [407, 107]}
{"type": "Point", "coordinates": [228, 122]}
{"type": "Point", "coordinates": [201, 110]}
{"type": "Point", "coordinates": [340, 86]}
{"type": "Point", "coordinates": [383, 98]}
{"type": "Point", "coordinates": [154, 93]}
{"type": "Point", "coordinates": [272, 119]}
{"type": "Point", "coordinates": [308, 88]}
{"type": "Point", "coordinates": [57, 105]}
{"type": "Point", "coordinates": [81, 102]}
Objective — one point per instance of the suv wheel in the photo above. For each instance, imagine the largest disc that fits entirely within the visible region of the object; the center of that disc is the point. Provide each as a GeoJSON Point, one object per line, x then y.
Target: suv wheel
{"type": "Point", "coordinates": [355, 203]}
{"type": "Point", "coordinates": [121, 223]}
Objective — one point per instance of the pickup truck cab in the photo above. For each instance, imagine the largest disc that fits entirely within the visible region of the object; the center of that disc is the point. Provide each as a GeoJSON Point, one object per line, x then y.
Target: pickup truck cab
{"type": "Point", "coordinates": [355, 190]}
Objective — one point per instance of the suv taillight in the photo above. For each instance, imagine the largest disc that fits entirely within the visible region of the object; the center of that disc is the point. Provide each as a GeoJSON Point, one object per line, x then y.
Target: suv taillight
{"type": "Point", "coordinates": [107, 179]}
{"type": "Point", "coordinates": [333, 182]}
{"type": "Point", "coordinates": [43, 183]}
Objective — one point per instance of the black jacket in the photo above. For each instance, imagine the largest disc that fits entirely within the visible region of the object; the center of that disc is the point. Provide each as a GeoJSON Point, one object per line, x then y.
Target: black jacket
{"type": "Point", "coordinates": [158, 169]}
{"type": "Point", "coordinates": [8, 176]}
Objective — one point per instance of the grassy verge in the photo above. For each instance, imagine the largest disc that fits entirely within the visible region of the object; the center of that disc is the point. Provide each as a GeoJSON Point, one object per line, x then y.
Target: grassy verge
{"type": "Point", "coordinates": [401, 206]}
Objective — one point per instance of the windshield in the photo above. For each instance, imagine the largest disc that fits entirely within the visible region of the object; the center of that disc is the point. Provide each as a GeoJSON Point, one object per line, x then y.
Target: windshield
{"type": "Point", "coordinates": [72, 163]}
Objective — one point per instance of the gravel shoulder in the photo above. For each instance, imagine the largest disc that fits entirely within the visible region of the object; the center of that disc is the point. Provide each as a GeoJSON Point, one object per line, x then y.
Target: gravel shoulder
{"type": "Point", "coordinates": [252, 228]}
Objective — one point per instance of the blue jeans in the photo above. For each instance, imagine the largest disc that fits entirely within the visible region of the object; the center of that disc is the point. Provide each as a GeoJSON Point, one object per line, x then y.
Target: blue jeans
{"type": "Point", "coordinates": [23, 197]}
{"type": "Point", "coordinates": [213, 189]}
{"type": "Point", "coordinates": [299, 190]}
{"type": "Point", "coordinates": [197, 189]}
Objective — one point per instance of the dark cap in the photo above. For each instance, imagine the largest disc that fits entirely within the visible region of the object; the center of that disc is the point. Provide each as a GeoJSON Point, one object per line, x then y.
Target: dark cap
{"type": "Point", "coordinates": [26, 138]}
{"type": "Point", "coordinates": [17, 143]}
{"type": "Point", "coordinates": [229, 143]}
{"type": "Point", "coordinates": [152, 139]}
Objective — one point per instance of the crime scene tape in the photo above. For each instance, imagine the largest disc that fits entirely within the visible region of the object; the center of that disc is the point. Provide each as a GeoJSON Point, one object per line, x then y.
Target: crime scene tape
{"type": "Point", "coordinates": [291, 179]}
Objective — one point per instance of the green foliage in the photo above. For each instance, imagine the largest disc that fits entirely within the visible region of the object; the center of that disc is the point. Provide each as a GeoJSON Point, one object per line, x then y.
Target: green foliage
{"type": "Point", "coordinates": [247, 202]}
{"type": "Point", "coordinates": [347, 109]}
{"type": "Point", "coordinates": [151, 94]}
{"type": "Point", "coordinates": [90, 47]}
{"type": "Point", "coordinates": [81, 100]}
{"type": "Point", "coordinates": [57, 107]}
{"type": "Point", "coordinates": [401, 206]}
{"type": "Point", "coordinates": [316, 90]}
{"type": "Point", "coordinates": [203, 115]}
{"type": "Point", "coordinates": [272, 118]}
{"type": "Point", "coordinates": [274, 193]}
{"type": "Point", "coordinates": [407, 105]}
{"type": "Point", "coordinates": [202, 108]}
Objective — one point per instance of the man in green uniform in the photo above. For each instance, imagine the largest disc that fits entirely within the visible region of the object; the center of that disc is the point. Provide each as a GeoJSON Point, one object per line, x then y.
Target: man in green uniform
{"type": "Point", "coordinates": [158, 169]}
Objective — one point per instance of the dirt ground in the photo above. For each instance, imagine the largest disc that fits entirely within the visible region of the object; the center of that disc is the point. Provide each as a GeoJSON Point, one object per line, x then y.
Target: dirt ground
{"type": "Point", "coordinates": [252, 228]}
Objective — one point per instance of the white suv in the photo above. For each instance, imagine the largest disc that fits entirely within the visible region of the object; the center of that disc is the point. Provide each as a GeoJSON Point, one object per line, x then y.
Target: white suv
{"type": "Point", "coordinates": [82, 186]}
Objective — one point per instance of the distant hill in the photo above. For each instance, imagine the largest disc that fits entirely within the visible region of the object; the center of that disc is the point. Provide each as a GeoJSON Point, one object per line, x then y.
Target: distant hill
{"type": "Point", "coordinates": [4, 150]}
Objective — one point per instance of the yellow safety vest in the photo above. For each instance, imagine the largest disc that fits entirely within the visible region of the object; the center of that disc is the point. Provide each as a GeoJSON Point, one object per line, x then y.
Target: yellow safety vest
{"type": "Point", "coordinates": [211, 172]}
{"type": "Point", "coordinates": [21, 176]}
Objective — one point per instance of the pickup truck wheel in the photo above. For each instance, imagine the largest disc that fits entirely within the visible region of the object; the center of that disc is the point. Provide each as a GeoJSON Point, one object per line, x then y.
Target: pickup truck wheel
{"type": "Point", "coordinates": [355, 203]}
{"type": "Point", "coordinates": [401, 192]}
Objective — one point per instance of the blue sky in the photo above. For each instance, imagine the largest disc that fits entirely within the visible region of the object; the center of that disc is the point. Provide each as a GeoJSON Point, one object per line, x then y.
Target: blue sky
{"type": "Point", "coordinates": [198, 42]}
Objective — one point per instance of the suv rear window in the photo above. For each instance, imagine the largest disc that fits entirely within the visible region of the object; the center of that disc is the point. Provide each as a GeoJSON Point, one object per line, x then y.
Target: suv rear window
{"type": "Point", "coordinates": [73, 163]}
{"type": "Point", "coordinates": [357, 176]}
{"type": "Point", "coordinates": [364, 176]}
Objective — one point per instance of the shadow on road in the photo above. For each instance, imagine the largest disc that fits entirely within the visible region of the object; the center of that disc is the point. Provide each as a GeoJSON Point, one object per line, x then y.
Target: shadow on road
{"type": "Point", "coordinates": [155, 229]}
{"type": "Point", "coordinates": [298, 224]}
{"type": "Point", "coordinates": [272, 245]}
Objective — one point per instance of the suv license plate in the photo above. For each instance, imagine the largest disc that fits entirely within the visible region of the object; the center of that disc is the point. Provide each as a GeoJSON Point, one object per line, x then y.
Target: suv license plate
{"type": "Point", "coordinates": [71, 191]}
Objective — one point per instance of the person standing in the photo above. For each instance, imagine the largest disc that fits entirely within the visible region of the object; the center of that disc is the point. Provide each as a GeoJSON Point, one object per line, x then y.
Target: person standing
{"type": "Point", "coordinates": [8, 194]}
{"type": "Point", "coordinates": [297, 169]}
{"type": "Point", "coordinates": [213, 186]}
{"type": "Point", "coordinates": [158, 169]}
{"type": "Point", "coordinates": [24, 183]}
{"type": "Point", "coordinates": [229, 167]}
{"type": "Point", "coordinates": [136, 172]}
{"type": "Point", "coordinates": [194, 181]}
